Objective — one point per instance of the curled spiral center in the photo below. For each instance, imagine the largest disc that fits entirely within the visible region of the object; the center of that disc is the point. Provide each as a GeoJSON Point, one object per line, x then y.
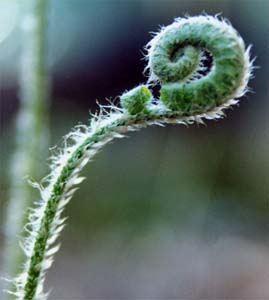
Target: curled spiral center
{"type": "Point", "coordinates": [177, 63]}
{"type": "Point", "coordinates": [177, 54]}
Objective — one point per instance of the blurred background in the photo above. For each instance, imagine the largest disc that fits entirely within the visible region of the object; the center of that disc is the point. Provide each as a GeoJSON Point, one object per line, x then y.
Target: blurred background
{"type": "Point", "coordinates": [168, 213]}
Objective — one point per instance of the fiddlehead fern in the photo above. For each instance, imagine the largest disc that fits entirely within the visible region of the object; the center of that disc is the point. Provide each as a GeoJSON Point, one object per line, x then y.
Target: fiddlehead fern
{"type": "Point", "coordinates": [174, 60]}
{"type": "Point", "coordinates": [175, 57]}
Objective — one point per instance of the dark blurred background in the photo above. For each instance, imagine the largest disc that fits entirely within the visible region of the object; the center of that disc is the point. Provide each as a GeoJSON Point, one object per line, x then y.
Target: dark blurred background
{"type": "Point", "coordinates": [168, 213]}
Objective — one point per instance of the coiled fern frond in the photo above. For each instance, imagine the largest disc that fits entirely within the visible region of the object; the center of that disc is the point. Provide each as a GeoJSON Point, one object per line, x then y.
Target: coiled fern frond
{"type": "Point", "coordinates": [187, 95]}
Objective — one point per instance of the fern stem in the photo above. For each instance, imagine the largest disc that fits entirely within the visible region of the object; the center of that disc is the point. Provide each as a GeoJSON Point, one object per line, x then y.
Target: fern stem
{"type": "Point", "coordinates": [31, 129]}
{"type": "Point", "coordinates": [61, 187]}
{"type": "Point", "coordinates": [184, 99]}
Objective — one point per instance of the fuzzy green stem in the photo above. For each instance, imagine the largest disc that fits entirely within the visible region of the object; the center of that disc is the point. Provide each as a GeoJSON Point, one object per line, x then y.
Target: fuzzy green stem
{"type": "Point", "coordinates": [31, 128]}
{"type": "Point", "coordinates": [139, 109]}
{"type": "Point", "coordinates": [59, 188]}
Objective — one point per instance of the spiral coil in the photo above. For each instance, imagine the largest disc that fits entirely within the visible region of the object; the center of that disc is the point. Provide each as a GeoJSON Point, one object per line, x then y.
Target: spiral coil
{"type": "Point", "coordinates": [175, 60]}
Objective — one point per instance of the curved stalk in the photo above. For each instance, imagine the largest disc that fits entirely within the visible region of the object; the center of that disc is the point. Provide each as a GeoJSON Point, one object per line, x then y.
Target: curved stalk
{"type": "Point", "coordinates": [139, 110]}
{"type": "Point", "coordinates": [45, 222]}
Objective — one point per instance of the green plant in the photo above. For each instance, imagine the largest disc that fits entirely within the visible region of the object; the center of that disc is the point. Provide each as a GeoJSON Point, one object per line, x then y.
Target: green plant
{"type": "Point", "coordinates": [31, 128]}
{"type": "Point", "coordinates": [187, 96]}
